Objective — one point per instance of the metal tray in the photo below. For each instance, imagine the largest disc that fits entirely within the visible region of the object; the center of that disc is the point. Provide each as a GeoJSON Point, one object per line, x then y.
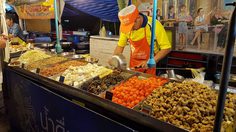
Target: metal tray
{"type": "Point", "coordinates": [57, 64]}
{"type": "Point", "coordinates": [44, 45]}
{"type": "Point", "coordinates": [145, 111]}
{"type": "Point", "coordinates": [92, 60]}
{"type": "Point", "coordinates": [138, 106]}
{"type": "Point", "coordinates": [84, 86]}
{"type": "Point", "coordinates": [54, 77]}
{"type": "Point", "coordinates": [44, 66]}
{"type": "Point", "coordinates": [17, 54]}
{"type": "Point", "coordinates": [141, 76]}
{"type": "Point", "coordinates": [78, 86]}
{"type": "Point", "coordinates": [14, 62]}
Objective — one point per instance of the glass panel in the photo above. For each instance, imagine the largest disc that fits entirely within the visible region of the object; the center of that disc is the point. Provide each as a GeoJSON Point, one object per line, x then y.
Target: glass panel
{"type": "Point", "coordinates": [213, 35]}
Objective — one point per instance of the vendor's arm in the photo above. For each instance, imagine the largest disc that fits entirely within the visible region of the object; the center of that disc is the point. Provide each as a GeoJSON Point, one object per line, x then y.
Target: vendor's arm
{"type": "Point", "coordinates": [120, 47]}
{"type": "Point", "coordinates": [161, 54]}
{"type": "Point", "coordinates": [118, 50]}
{"type": "Point", "coordinates": [2, 43]}
{"type": "Point", "coordinates": [163, 42]}
{"type": "Point", "coordinates": [121, 44]}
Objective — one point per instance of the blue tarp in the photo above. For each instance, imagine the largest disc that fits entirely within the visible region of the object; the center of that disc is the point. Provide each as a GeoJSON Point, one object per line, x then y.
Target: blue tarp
{"type": "Point", "coordinates": [69, 12]}
{"type": "Point", "coordinates": [106, 10]}
{"type": "Point", "coordinates": [9, 8]}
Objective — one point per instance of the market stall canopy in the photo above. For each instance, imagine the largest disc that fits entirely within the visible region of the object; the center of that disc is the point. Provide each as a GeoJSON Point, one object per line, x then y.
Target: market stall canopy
{"type": "Point", "coordinates": [106, 10]}
{"type": "Point", "coordinates": [70, 11]}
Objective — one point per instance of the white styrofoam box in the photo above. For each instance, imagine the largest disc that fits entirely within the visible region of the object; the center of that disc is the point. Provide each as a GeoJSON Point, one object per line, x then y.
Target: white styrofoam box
{"type": "Point", "coordinates": [103, 49]}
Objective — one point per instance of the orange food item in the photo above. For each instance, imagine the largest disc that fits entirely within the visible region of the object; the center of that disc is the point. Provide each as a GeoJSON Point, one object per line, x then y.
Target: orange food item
{"type": "Point", "coordinates": [133, 91]}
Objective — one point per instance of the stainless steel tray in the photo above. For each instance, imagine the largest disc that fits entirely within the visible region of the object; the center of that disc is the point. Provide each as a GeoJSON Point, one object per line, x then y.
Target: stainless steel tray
{"type": "Point", "coordinates": [44, 65]}
{"type": "Point", "coordinates": [85, 86]}
{"type": "Point", "coordinates": [61, 63]}
{"type": "Point", "coordinates": [142, 76]}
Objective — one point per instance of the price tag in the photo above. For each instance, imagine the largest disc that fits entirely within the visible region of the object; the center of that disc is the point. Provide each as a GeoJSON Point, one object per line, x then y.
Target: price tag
{"type": "Point", "coordinates": [37, 70]}
{"type": "Point", "coordinates": [62, 79]}
{"type": "Point", "coordinates": [108, 95]}
{"type": "Point", "coordinates": [146, 108]}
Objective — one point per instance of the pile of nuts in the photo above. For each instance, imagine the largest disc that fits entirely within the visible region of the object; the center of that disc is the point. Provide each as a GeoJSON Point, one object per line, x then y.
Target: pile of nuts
{"type": "Point", "coordinates": [189, 105]}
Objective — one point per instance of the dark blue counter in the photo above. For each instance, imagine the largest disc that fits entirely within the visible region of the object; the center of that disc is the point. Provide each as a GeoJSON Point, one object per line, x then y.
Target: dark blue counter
{"type": "Point", "coordinates": [35, 103]}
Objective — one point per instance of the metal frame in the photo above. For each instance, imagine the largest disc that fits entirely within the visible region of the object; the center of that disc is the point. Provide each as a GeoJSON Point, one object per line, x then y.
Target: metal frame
{"type": "Point", "coordinates": [227, 62]}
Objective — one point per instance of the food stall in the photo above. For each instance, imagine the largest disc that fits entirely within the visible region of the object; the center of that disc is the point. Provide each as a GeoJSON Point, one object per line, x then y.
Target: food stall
{"type": "Point", "coordinates": [71, 93]}
{"type": "Point", "coordinates": [52, 92]}
{"type": "Point", "coordinates": [31, 85]}
{"type": "Point", "coordinates": [45, 91]}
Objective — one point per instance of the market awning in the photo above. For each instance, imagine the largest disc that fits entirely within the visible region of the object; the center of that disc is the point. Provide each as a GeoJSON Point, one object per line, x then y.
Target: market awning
{"type": "Point", "coordinates": [69, 12]}
{"type": "Point", "coordinates": [106, 10]}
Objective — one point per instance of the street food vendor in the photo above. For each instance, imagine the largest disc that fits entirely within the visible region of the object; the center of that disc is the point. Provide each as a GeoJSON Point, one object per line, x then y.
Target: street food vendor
{"type": "Point", "coordinates": [136, 29]}
{"type": "Point", "coordinates": [14, 29]}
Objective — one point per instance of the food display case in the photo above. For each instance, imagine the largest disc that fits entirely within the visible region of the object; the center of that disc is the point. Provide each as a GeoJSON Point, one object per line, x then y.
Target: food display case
{"type": "Point", "coordinates": [54, 92]}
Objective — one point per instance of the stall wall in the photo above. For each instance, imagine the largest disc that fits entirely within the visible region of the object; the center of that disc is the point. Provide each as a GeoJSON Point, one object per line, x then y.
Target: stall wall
{"type": "Point", "coordinates": [35, 25]}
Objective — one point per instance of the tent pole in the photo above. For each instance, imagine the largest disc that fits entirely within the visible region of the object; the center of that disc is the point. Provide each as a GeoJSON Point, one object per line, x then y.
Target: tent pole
{"type": "Point", "coordinates": [227, 63]}
{"type": "Point", "coordinates": [58, 45]}
{"type": "Point", "coordinates": [151, 62]}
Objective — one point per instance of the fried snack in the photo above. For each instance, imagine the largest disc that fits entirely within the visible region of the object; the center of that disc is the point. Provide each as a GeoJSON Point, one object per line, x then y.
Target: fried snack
{"type": "Point", "coordinates": [98, 85]}
{"type": "Point", "coordinates": [32, 56]}
{"type": "Point", "coordinates": [131, 92]}
{"type": "Point", "coordinates": [45, 62]}
{"type": "Point", "coordinates": [17, 48]}
{"type": "Point", "coordinates": [79, 74]}
{"type": "Point", "coordinates": [189, 105]}
{"type": "Point", "coordinates": [59, 68]}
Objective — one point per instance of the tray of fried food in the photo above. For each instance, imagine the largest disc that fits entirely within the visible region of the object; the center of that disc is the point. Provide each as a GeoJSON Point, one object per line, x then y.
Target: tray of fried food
{"type": "Point", "coordinates": [60, 67]}
{"type": "Point", "coordinates": [17, 48]}
{"type": "Point", "coordinates": [31, 56]}
{"type": "Point", "coordinates": [18, 45]}
{"type": "Point", "coordinates": [77, 75]}
{"type": "Point", "coordinates": [45, 62]}
{"type": "Point", "coordinates": [188, 105]}
{"type": "Point", "coordinates": [14, 62]}
{"type": "Point", "coordinates": [99, 85]}
{"type": "Point", "coordinates": [135, 89]}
